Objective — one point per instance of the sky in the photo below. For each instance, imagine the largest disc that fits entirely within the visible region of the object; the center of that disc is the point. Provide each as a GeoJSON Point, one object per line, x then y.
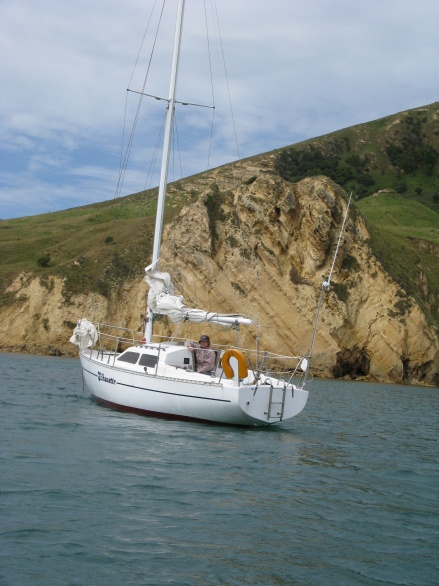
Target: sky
{"type": "Point", "coordinates": [290, 70]}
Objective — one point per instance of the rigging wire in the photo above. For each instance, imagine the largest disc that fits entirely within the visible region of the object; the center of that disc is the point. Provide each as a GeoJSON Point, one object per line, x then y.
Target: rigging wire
{"type": "Point", "coordinates": [125, 154]}
{"type": "Point", "coordinates": [325, 288]}
{"type": "Point", "coordinates": [124, 162]}
{"type": "Point", "coordinates": [209, 53]}
{"type": "Point", "coordinates": [176, 149]}
{"type": "Point", "coordinates": [227, 86]}
{"type": "Point", "coordinates": [328, 282]}
{"type": "Point", "coordinates": [131, 78]}
{"type": "Point", "coordinates": [143, 40]}
{"type": "Point", "coordinates": [232, 164]}
{"type": "Point", "coordinates": [154, 158]}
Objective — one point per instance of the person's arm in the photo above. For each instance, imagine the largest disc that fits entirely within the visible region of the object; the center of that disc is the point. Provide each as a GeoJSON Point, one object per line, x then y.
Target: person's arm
{"type": "Point", "coordinates": [190, 345]}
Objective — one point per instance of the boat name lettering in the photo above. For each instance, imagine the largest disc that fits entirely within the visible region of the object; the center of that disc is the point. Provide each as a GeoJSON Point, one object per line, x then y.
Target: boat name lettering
{"type": "Point", "coordinates": [102, 377]}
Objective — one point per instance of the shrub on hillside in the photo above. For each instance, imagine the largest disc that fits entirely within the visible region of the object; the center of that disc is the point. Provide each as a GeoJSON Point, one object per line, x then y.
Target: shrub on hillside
{"type": "Point", "coordinates": [44, 260]}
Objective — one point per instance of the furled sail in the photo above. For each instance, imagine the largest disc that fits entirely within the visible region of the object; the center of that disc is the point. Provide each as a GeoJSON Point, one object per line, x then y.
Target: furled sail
{"type": "Point", "coordinates": [162, 301]}
{"type": "Point", "coordinates": [84, 335]}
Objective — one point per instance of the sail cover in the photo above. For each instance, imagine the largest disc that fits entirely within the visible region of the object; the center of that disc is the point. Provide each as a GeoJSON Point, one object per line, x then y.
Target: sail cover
{"type": "Point", "coordinates": [162, 301]}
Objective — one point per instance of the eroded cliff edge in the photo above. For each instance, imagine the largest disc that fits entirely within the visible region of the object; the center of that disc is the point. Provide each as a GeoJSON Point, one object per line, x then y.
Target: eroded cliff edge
{"type": "Point", "coordinates": [261, 248]}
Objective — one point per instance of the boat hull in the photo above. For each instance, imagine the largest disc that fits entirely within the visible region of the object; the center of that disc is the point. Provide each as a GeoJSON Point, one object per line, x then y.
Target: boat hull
{"type": "Point", "coordinates": [190, 396]}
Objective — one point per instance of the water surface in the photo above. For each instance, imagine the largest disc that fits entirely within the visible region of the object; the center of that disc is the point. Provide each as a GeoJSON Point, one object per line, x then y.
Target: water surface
{"type": "Point", "coordinates": [345, 493]}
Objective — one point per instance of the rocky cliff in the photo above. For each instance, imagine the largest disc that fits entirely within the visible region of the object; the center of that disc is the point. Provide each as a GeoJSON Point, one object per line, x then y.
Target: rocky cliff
{"type": "Point", "coordinates": [258, 245]}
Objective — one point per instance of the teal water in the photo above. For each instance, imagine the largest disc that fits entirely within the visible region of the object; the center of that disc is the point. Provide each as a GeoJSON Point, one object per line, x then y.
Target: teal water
{"type": "Point", "coordinates": [345, 493]}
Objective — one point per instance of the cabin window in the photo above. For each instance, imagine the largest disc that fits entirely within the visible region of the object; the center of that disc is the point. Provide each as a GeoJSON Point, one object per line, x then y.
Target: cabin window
{"type": "Point", "coordinates": [131, 357]}
{"type": "Point", "coordinates": [148, 360]}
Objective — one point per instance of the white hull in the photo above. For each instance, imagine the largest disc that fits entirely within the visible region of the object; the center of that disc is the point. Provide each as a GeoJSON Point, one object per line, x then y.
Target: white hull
{"type": "Point", "coordinates": [161, 379]}
{"type": "Point", "coordinates": [171, 391]}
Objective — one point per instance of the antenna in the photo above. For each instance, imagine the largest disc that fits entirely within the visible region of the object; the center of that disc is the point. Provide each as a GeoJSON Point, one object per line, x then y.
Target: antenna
{"type": "Point", "coordinates": [325, 287]}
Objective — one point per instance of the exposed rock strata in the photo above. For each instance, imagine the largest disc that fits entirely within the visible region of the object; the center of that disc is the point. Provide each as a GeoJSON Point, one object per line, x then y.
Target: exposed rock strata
{"type": "Point", "coordinates": [262, 249]}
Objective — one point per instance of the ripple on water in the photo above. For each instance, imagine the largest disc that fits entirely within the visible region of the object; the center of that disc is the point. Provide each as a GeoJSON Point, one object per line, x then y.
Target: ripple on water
{"type": "Point", "coordinates": [346, 493]}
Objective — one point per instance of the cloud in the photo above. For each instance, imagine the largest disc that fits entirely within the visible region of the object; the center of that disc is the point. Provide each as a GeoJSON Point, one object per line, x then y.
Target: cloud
{"type": "Point", "coordinates": [295, 70]}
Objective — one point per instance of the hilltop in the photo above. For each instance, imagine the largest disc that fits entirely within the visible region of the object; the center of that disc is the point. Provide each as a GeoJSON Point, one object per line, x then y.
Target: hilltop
{"type": "Point", "coordinates": [263, 233]}
{"type": "Point", "coordinates": [398, 152]}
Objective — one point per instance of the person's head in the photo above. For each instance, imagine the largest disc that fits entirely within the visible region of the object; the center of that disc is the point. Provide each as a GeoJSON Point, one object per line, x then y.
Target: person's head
{"type": "Point", "coordinates": [204, 341]}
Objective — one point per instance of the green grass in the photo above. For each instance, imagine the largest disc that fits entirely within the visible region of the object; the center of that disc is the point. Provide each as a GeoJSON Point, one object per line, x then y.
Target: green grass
{"type": "Point", "coordinates": [405, 238]}
{"type": "Point", "coordinates": [390, 209]}
{"type": "Point", "coordinates": [392, 167]}
{"type": "Point", "coordinates": [99, 245]}
{"type": "Point", "coordinates": [413, 134]}
{"type": "Point", "coordinates": [77, 241]}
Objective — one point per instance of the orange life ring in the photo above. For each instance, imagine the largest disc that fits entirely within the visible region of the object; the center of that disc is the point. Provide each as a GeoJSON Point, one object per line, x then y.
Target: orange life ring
{"type": "Point", "coordinates": [242, 363]}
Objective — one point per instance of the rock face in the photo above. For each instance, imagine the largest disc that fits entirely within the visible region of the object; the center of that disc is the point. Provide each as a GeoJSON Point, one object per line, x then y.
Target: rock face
{"type": "Point", "coordinates": [267, 253]}
{"type": "Point", "coordinates": [262, 249]}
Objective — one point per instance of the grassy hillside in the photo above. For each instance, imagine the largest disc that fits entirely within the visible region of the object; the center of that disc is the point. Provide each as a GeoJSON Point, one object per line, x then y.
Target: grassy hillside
{"type": "Point", "coordinates": [399, 152]}
{"type": "Point", "coordinates": [98, 246]}
{"type": "Point", "coordinates": [405, 238]}
{"type": "Point", "coordinates": [396, 157]}
{"type": "Point", "coordinates": [93, 247]}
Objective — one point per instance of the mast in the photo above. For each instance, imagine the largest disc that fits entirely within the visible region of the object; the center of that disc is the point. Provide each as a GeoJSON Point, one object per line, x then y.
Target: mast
{"type": "Point", "coordinates": [165, 156]}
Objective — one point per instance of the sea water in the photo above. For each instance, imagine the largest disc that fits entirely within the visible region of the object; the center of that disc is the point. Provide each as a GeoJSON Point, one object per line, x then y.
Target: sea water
{"type": "Point", "coordinates": [345, 493]}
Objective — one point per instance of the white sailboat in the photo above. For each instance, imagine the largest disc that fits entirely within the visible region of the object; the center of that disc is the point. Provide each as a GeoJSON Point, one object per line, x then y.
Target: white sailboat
{"type": "Point", "coordinates": [161, 378]}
